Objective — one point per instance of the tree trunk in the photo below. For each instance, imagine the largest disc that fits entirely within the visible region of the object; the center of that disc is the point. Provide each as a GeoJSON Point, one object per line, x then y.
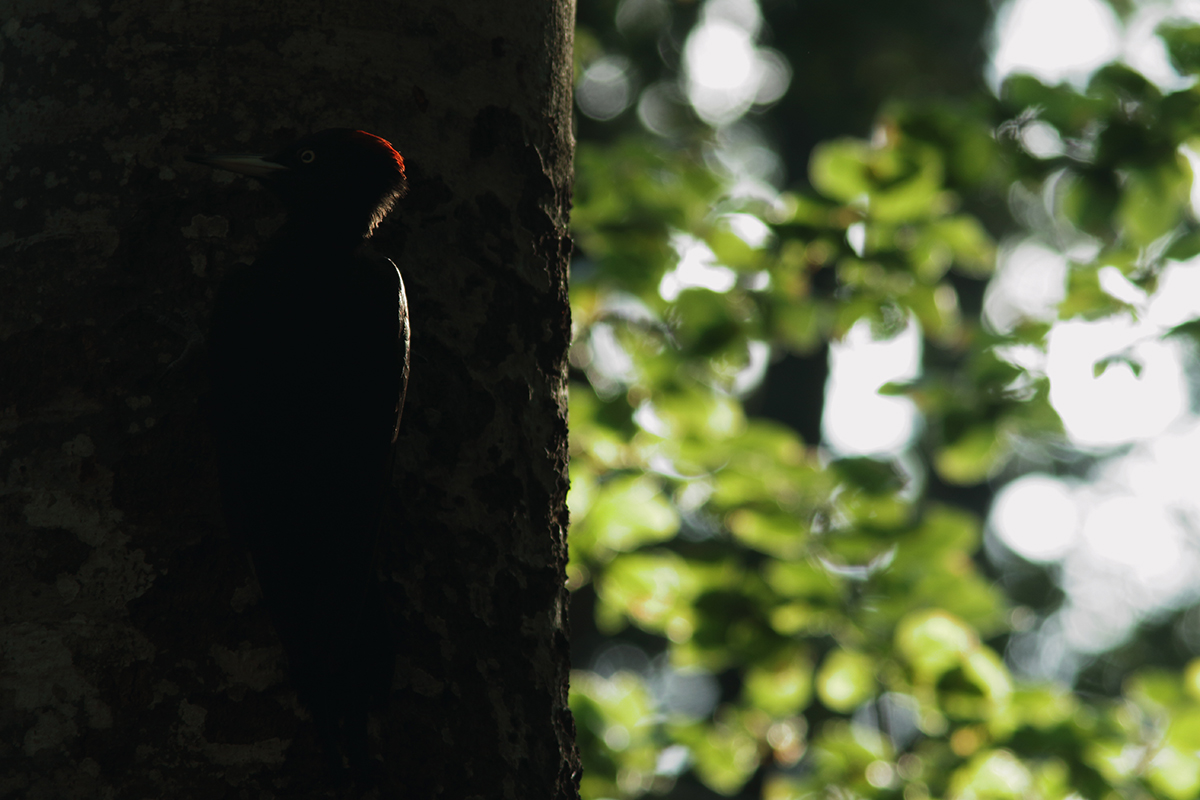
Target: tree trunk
{"type": "Point", "coordinates": [136, 660]}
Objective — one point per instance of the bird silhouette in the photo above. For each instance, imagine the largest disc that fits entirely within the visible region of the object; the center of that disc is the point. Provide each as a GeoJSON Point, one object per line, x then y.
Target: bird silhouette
{"type": "Point", "coordinates": [309, 353]}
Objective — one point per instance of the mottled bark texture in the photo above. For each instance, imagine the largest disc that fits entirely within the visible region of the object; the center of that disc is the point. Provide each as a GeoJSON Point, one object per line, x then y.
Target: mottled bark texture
{"type": "Point", "coordinates": [137, 662]}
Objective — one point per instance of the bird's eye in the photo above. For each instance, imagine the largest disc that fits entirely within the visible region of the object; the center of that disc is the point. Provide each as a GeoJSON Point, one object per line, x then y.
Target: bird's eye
{"type": "Point", "coordinates": [307, 156]}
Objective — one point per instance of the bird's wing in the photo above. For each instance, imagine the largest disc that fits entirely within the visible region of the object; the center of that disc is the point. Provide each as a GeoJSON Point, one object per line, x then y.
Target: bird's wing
{"type": "Point", "coordinates": [402, 346]}
{"type": "Point", "coordinates": [385, 270]}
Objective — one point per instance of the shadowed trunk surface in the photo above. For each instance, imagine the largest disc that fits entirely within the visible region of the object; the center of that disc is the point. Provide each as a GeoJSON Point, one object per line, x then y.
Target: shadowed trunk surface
{"type": "Point", "coordinates": [137, 660]}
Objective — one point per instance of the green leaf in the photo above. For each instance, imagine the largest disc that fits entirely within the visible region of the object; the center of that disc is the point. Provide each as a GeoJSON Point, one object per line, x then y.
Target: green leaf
{"type": "Point", "coordinates": [846, 679]}
{"type": "Point", "coordinates": [909, 184]}
{"type": "Point", "coordinates": [899, 182]}
{"type": "Point", "coordinates": [936, 308]}
{"type": "Point", "coordinates": [985, 669]}
{"type": "Point", "coordinates": [971, 457]}
{"type": "Point", "coordinates": [1119, 83]}
{"type": "Point", "coordinates": [731, 250]}
{"type": "Point", "coordinates": [782, 687]}
{"type": "Point", "coordinates": [1090, 200]}
{"type": "Point", "coordinates": [1185, 247]}
{"type": "Point", "coordinates": [992, 775]}
{"type": "Point", "coordinates": [786, 554]}
{"type": "Point", "coordinates": [1189, 329]}
{"type": "Point", "coordinates": [611, 730]}
{"type": "Point", "coordinates": [1044, 707]}
{"type": "Point", "coordinates": [870, 475]}
{"type": "Point", "coordinates": [974, 251]}
{"type": "Point", "coordinates": [839, 169]}
{"type": "Point", "coordinates": [773, 531]}
{"type": "Point", "coordinates": [1124, 9]}
{"type": "Point", "coordinates": [654, 591]}
{"type": "Point", "coordinates": [803, 580]}
{"type": "Point", "coordinates": [623, 514]}
{"type": "Point", "coordinates": [724, 755]}
{"type": "Point", "coordinates": [1153, 199]}
{"type": "Point", "coordinates": [629, 199]}
{"type": "Point", "coordinates": [1155, 690]}
{"type": "Point", "coordinates": [1175, 774]}
{"type": "Point", "coordinates": [704, 324]}
{"type": "Point", "coordinates": [1191, 679]}
{"type": "Point", "coordinates": [1182, 40]}
{"type": "Point", "coordinates": [797, 324]}
{"type": "Point", "coordinates": [1101, 366]}
{"type": "Point", "coordinates": [1184, 732]}
{"type": "Point", "coordinates": [692, 412]}
{"type": "Point", "coordinates": [1085, 298]}
{"type": "Point", "coordinates": [934, 642]}
{"type": "Point", "coordinates": [1067, 110]}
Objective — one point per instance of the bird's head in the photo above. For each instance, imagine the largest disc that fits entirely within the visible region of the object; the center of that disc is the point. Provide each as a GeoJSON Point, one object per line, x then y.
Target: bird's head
{"type": "Point", "coordinates": [339, 176]}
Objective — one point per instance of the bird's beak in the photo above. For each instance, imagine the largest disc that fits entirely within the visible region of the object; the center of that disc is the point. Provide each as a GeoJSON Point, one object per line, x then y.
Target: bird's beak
{"type": "Point", "coordinates": [254, 166]}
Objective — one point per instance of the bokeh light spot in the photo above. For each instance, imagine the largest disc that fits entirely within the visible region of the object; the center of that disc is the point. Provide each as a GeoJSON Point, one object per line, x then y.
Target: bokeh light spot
{"type": "Point", "coordinates": [606, 89]}
{"type": "Point", "coordinates": [1035, 516]}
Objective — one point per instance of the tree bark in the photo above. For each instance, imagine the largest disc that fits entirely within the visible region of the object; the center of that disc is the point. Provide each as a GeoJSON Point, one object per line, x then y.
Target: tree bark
{"type": "Point", "coordinates": [136, 660]}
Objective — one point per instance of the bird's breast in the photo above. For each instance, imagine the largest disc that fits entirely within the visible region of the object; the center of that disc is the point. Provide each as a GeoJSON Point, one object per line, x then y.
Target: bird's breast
{"type": "Point", "coordinates": [311, 354]}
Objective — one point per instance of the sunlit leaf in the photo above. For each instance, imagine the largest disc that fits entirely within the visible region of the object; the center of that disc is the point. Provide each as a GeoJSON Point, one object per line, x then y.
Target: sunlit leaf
{"type": "Point", "coordinates": [1175, 774]}
{"type": "Point", "coordinates": [1184, 730]}
{"type": "Point", "coordinates": [732, 250]}
{"type": "Point", "coordinates": [840, 170]}
{"type": "Point", "coordinates": [992, 775]}
{"type": "Point", "coordinates": [1115, 760]}
{"type": "Point", "coordinates": [623, 514]}
{"type": "Point", "coordinates": [774, 532]}
{"type": "Point", "coordinates": [1155, 690]}
{"type": "Point", "coordinates": [1191, 679]}
{"type": "Point", "coordinates": [973, 249]}
{"type": "Point", "coordinates": [725, 755]}
{"type": "Point", "coordinates": [841, 756]}
{"type": "Point", "coordinates": [1085, 297]}
{"type": "Point", "coordinates": [909, 184]}
{"type": "Point", "coordinates": [782, 687]}
{"type": "Point", "coordinates": [971, 457]}
{"type": "Point", "coordinates": [934, 642]}
{"type": "Point", "coordinates": [985, 669]}
{"type": "Point", "coordinates": [767, 551]}
{"type": "Point", "coordinates": [652, 590]}
{"type": "Point", "coordinates": [846, 679]}
{"type": "Point", "coordinates": [1044, 706]}
{"type": "Point", "coordinates": [610, 723]}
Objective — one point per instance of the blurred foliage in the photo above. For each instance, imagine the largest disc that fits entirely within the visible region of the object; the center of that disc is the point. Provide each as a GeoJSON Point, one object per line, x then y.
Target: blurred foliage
{"type": "Point", "coordinates": [855, 643]}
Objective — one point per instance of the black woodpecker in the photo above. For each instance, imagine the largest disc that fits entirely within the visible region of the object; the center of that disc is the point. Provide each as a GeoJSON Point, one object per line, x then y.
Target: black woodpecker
{"type": "Point", "coordinates": [309, 365]}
